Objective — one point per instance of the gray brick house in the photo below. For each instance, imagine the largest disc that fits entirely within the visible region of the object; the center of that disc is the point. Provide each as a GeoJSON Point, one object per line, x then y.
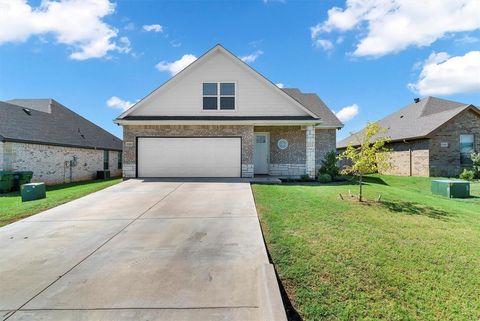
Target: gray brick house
{"type": "Point", "coordinates": [220, 118]}
{"type": "Point", "coordinates": [430, 137]}
{"type": "Point", "coordinates": [58, 145]}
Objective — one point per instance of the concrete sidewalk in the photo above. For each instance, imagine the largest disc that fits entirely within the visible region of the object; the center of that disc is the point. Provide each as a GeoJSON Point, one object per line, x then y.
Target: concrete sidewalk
{"type": "Point", "coordinates": [141, 250]}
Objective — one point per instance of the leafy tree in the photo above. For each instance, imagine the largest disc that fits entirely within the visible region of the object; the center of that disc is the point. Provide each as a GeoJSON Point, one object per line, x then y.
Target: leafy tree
{"type": "Point", "coordinates": [476, 163]}
{"type": "Point", "coordinates": [329, 165]}
{"type": "Point", "coordinates": [467, 174]}
{"type": "Point", "coordinates": [370, 156]}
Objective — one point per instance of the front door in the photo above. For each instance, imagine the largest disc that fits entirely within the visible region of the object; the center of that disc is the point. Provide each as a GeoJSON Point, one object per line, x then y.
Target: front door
{"type": "Point", "coordinates": [261, 153]}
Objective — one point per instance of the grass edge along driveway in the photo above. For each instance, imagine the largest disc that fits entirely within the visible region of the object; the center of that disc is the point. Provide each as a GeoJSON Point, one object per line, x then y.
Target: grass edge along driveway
{"type": "Point", "coordinates": [12, 209]}
{"type": "Point", "coordinates": [414, 256]}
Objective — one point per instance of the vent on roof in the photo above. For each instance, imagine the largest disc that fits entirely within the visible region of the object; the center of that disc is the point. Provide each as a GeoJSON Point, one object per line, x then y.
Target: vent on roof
{"type": "Point", "coordinates": [416, 100]}
{"type": "Point", "coordinates": [27, 111]}
{"type": "Point", "coordinates": [401, 116]}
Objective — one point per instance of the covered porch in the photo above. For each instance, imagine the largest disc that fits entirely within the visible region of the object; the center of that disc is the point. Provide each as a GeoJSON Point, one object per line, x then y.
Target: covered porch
{"type": "Point", "coordinates": [284, 151]}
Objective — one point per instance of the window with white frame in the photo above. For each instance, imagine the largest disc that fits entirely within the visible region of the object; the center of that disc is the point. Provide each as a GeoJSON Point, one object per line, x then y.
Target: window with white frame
{"type": "Point", "coordinates": [218, 96]}
{"type": "Point", "coordinates": [466, 149]}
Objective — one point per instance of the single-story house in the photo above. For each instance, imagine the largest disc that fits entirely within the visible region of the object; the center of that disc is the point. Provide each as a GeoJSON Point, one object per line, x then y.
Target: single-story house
{"type": "Point", "coordinates": [58, 145]}
{"type": "Point", "coordinates": [430, 137]}
{"type": "Point", "coordinates": [221, 118]}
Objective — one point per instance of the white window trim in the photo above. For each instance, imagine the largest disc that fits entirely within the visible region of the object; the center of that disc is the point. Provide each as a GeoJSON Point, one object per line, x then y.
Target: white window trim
{"type": "Point", "coordinates": [219, 96]}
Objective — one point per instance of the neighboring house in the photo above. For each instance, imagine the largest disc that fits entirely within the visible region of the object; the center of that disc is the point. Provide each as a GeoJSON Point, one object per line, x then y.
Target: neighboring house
{"type": "Point", "coordinates": [430, 137]}
{"type": "Point", "coordinates": [58, 145]}
{"type": "Point", "coordinates": [220, 118]}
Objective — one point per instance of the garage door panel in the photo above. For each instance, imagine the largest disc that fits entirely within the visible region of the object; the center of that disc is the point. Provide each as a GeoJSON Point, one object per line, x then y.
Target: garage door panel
{"type": "Point", "coordinates": [189, 157]}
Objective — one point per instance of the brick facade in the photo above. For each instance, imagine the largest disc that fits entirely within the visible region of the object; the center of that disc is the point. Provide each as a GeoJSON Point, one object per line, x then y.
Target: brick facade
{"type": "Point", "coordinates": [288, 162]}
{"type": "Point", "coordinates": [292, 161]}
{"type": "Point", "coordinates": [445, 161]}
{"type": "Point", "coordinates": [325, 141]}
{"type": "Point", "coordinates": [130, 133]}
{"type": "Point", "coordinates": [51, 164]}
{"type": "Point", "coordinates": [438, 155]}
{"type": "Point", "coordinates": [409, 158]}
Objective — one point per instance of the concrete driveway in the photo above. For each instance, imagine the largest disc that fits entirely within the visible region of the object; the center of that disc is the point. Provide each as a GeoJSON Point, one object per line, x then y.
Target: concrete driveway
{"type": "Point", "coordinates": [141, 250]}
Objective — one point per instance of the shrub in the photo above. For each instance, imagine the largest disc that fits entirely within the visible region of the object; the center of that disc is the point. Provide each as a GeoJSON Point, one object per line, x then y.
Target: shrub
{"type": "Point", "coordinates": [467, 174]}
{"type": "Point", "coordinates": [305, 178]}
{"type": "Point", "coordinates": [329, 165]}
{"type": "Point", "coordinates": [324, 178]}
{"type": "Point", "coordinates": [476, 163]}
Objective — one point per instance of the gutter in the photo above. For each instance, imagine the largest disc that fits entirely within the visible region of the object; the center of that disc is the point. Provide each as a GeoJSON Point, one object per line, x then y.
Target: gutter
{"type": "Point", "coordinates": [220, 122]}
{"type": "Point", "coordinates": [3, 139]}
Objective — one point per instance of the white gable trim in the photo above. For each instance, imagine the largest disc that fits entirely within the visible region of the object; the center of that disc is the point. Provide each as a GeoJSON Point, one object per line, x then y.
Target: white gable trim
{"type": "Point", "coordinates": [202, 58]}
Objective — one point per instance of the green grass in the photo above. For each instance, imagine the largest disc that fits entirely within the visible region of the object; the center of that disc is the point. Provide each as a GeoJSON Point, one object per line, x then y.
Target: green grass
{"type": "Point", "coordinates": [12, 208]}
{"type": "Point", "coordinates": [413, 256]}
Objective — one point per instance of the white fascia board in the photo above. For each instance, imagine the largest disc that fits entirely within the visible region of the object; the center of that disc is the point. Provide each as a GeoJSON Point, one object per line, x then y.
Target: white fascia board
{"type": "Point", "coordinates": [219, 122]}
{"type": "Point", "coordinates": [320, 126]}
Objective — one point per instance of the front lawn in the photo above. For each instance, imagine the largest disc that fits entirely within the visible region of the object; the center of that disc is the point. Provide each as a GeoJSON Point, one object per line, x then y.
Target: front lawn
{"type": "Point", "coordinates": [414, 256]}
{"type": "Point", "coordinates": [12, 208]}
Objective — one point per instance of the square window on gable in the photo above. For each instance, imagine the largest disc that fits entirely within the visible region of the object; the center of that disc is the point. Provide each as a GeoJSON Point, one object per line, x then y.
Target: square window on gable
{"type": "Point", "coordinates": [227, 89]}
{"type": "Point", "coordinates": [227, 103]}
{"type": "Point", "coordinates": [218, 96]}
{"type": "Point", "coordinates": [210, 103]}
{"type": "Point", "coordinates": [210, 89]}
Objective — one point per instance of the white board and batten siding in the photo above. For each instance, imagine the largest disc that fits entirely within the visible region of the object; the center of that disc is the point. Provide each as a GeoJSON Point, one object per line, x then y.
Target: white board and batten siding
{"type": "Point", "coordinates": [183, 96]}
{"type": "Point", "coordinates": [189, 157]}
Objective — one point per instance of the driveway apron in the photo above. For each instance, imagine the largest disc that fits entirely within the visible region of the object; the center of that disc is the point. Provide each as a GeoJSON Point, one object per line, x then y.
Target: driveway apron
{"type": "Point", "coordinates": [139, 250]}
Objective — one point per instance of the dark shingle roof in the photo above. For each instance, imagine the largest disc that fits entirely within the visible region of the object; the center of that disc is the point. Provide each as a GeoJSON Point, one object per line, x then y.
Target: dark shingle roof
{"type": "Point", "coordinates": [46, 121]}
{"type": "Point", "coordinates": [416, 120]}
{"type": "Point", "coordinates": [313, 103]}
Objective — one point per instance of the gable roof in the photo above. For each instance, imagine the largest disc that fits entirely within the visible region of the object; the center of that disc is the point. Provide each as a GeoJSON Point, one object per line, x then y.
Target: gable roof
{"type": "Point", "coordinates": [45, 121]}
{"type": "Point", "coordinates": [209, 53]}
{"type": "Point", "coordinates": [417, 120]}
{"type": "Point", "coordinates": [316, 106]}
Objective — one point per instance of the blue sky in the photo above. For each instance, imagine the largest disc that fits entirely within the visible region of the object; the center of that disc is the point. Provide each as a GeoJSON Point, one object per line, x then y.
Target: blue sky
{"type": "Point", "coordinates": [361, 56]}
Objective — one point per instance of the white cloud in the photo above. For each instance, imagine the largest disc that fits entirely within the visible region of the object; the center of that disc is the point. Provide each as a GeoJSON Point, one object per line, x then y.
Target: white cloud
{"type": "Point", "coordinates": [393, 25]}
{"type": "Point", "coordinates": [154, 28]}
{"type": "Point", "coordinates": [118, 103]}
{"type": "Point", "coordinates": [445, 75]}
{"type": "Point", "coordinates": [75, 23]}
{"type": "Point", "coordinates": [280, 85]}
{"type": "Point", "coordinates": [252, 57]}
{"type": "Point", "coordinates": [467, 39]}
{"type": "Point", "coordinates": [347, 113]}
{"type": "Point", "coordinates": [176, 66]}
{"type": "Point", "coordinates": [324, 44]}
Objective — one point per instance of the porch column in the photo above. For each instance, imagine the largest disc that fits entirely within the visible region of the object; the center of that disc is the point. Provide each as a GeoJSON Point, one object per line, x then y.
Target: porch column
{"type": "Point", "coordinates": [310, 151]}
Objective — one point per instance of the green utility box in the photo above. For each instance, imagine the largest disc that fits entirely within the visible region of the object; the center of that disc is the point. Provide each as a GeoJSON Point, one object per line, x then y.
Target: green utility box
{"type": "Point", "coordinates": [32, 191]}
{"type": "Point", "coordinates": [20, 178]}
{"type": "Point", "coordinates": [451, 188]}
{"type": "Point", "coordinates": [6, 181]}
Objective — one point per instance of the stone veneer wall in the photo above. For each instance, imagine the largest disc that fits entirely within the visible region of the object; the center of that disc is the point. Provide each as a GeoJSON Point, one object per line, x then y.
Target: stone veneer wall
{"type": "Point", "coordinates": [445, 161]}
{"type": "Point", "coordinates": [50, 164]}
{"type": "Point", "coordinates": [400, 158]}
{"type": "Point", "coordinates": [131, 132]}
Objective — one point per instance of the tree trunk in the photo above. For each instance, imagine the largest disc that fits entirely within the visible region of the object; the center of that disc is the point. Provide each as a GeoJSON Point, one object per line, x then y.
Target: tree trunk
{"type": "Point", "coordinates": [360, 196]}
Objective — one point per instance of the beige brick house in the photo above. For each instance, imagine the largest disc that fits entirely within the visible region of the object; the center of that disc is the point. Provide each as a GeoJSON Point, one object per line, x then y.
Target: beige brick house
{"type": "Point", "coordinates": [430, 137]}
{"type": "Point", "coordinates": [58, 145]}
{"type": "Point", "coordinates": [220, 118]}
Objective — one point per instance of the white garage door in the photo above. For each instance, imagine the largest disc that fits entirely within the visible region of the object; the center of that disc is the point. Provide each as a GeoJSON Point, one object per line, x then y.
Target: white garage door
{"type": "Point", "coordinates": [189, 157]}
